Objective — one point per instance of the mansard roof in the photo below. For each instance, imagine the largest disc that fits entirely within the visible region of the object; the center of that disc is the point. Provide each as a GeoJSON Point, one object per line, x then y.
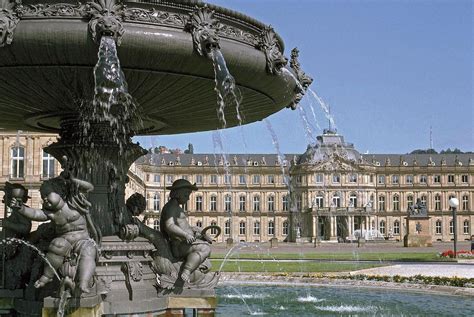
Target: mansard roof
{"type": "Point", "coordinates": [420, 159]}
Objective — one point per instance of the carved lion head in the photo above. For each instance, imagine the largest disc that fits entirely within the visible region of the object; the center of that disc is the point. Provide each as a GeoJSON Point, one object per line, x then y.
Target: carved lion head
{"type": "Point", "coordinates": [106, 25]}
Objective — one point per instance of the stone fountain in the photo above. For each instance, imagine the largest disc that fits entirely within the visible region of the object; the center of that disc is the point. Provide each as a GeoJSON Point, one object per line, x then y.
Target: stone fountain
{"type": "Point", "coordinates": [53, 79]}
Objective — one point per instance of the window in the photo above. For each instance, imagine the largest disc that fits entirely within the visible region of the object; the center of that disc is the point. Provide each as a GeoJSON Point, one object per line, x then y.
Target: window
{"type": "Point", "coordinates": [451, 227]}
{"type": "Point", "coordinates": [198, 179]}
{"type": "Point", "coordinates": [169, 179]}
{"type": "Point", "coordinates": [256, 179]}
{"type": "Point", "coordinates": [242, 179]}
{"type": "Point", "coordinates": [213, 203]}
{"type": "Point", "coordinates": [437, 202]}
{"type": "Point", "coordinates": [228, 203]}
{"type": "Point", "coordinates": [381, 179]}
{"type": "Point", "coordinates": [271, 203]}
{"type": "Point", "coordinates": [242, 227]}
{"type": "Point", "coordinates": [299, 202]}
{"type": "Point", "coordinates": [336, 200]}
{"type": "Point", "coordinates": [227, 179]}
{"type": "Point", "coordinates": [371, 178]}
{"type": "Point", "coordinates": [423, 179]}
{"type": "Point", "coordinates": [17, 162]}
{"type": "Point", "coordinates": [353, 200]}
{"type": "Point", "coordinates": [242, 203]}
{"type": "Point", "coordinates": [213, 179]}
{"type": "Point", "coordinates": [156, 225]}
{"type": "Point", "coordinates": [271, 179]}
{"type": "Point", "coordinates": [438, 227]}
{"type": "Point", "coordinates": [465, 203]}
{"type": "Point", "coordinates": [395, 179]}
{"type": "Point", "coordinates": [409, 179]}
{"type": "Point", "coordinates": [381, 203]}
{"type": "Point", "coordinates": [319, 201]}
{"type": "Point", "coordinates": [227, 227]}
{"type": "Point", "coordinates": [198, 203]}
{"type": "Point", "coordinates": [157, 178]}
{"type": "Point", "coordinates": [423, 201]}
{"type": "Point", "coordinates": [353, 178]}
{"type": "Point", "coordinates": [437, 179]}
{"type": "Point", "coordinates": [271, 228]}
{"type": "Point", "coordinates": [396, 227]}
{"type": "Point", "coordinates": [336, 178]}
{"type": "Point", "coordinates": [186, 177]}
{"type": "Point", "coordinates": [256, 203]}
{"type": "Point", "coordinates": [450, 178]}
{"type": "Point", "coordinates": [465, 227]}
{"type": "Point", "coordinates": [409, 201]}
{"type": "Point", "coordinates": [285, 203]}
{"type": "Point", "coordinates": [299, 179]}
{"type": "Point", "coordinates": [464, 178]}
{"type": "Point", "coordinates": [185, 206]}
{"type": "Point", "coordinates": [156, 202]}
{"type": "Point", "coordinates": [396, 203]}
{"type": "Point", "coordinates": [199, 224]}
{"type": "Point", "coordinates": [382, 227]}
{"type": "Point", "coordinates": [48, 166]}
{"type": "Point", "coordinates": [256, 227]}
{"type": "Point", "coordinates": [449, 198]}
{"type": "Point", "coordinates": [285, 228]}
{"type": "Point", "coordinates": [213, 229]}
{"type": "Point", "coordinates": [319, 178]}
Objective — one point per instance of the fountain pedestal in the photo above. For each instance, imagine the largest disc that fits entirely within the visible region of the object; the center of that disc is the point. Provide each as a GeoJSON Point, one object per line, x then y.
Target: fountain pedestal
{"type": "Point", "coordinates": [418, 232]}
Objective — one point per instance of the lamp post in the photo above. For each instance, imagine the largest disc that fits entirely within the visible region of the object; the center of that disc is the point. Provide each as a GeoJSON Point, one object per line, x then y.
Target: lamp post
{"type": "Point", "coordinates": [454, 203]}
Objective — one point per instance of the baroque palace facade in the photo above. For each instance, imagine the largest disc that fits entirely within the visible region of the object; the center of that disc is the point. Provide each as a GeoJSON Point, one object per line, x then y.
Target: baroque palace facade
{"type": "Point", "coordinates": [329, 193]}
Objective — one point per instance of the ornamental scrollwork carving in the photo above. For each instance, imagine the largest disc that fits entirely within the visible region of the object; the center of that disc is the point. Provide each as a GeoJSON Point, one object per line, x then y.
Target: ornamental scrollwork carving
{"type": "Point", "coordinates": [204, 29]}
{"type": "Point", "coordinates": [52, 10]}
{"type": "Point", "coordinates": [269, 44]}
{"type": "Point", "coordinates": [304, 81]}
{"type": "Point", "coordinates": [106, 18]}
{"type": "Point", "coordinates": [9, 18]}
{"type": "Point", "coordinates": [155, 17]}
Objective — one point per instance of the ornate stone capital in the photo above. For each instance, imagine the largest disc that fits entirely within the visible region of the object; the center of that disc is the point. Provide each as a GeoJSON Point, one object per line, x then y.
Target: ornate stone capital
{"type": "Point", "coordinates": [9, 18]}
{"type": "Point", "coordinates": [106, 18]}
{"type": "Point", "coordinates": [303, 80]}
{"type": "Point", "coordinates": [268, 43]}
{"type": "Point", "coordinates": [204, 29]}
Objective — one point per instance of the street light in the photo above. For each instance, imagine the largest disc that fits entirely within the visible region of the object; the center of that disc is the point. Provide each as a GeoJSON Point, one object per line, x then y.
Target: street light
{"type": "Point", "coordinates": [454, 203]}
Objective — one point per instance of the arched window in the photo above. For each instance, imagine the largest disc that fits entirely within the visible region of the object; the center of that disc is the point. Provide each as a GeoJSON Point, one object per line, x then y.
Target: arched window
{"type": "Point", "coordinates": [48, 170]}
{"type": "Point", "coordinates": [199, 203]}
{"type": "Point", "coordinates": [227, 227]}
{"type": "Point", "coordinates": [396, 227]}
{"type": "Point", "coordinates": [381, 203]}
{"type": "Point", "coordinates": [17, 162]}
{"type": "Point", "coordinates": [285, 203]}
{"type": "Point", "coordinates": [213, 230]}
{"type": "Point", "coordinates": [256, 203]}
{"type": "Point", "coordinates": [382, 227]}
{"type": "Point", "coordinates": [466, 227]}
{"type": "Point", "coordinates": [156, 225]}
{"type": "Point", "coordinates": [438, 227]}
{"type": "Point", "coordinates": [271, 203]}
{"type": "Point", "coordinates": [353, 200]}
{"type": "Point", "coordinates": [256, 227]}
{"type": "Point", "coordinates": [242, 203]}
{"type": "Point", "coordinates": [271, 228]}
{"type": "Point", "coordinates": [285, 228]}
{"type": "Point", "coordinates": [242, 227]}
{"type": "Point", "coordinates": [396, 203]}
{"type": "Point", "coordinates": [228, 203]}
{"type": "Point", "coordinates": [156, 202]}
{"type": "Point", "coordinates": [437, 202]}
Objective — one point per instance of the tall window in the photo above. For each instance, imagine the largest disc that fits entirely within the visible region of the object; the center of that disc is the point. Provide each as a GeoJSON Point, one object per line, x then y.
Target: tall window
{"type": "Point", "coordinates": [396, 227]}
{"type": "Point", "coordinates": [409, 179]}
{"type": "Point", "coordinates": [271, 203]}
{"type": "Point", "coordinates": [319, 178]}
{"type": "Point", "coordinates": [271, 228]}
{"type": "Point", "coordinates": [48, 166]}
{"type": "Point", "coordinates": [437, 179]}
{"type": "Point", "coordinates": [319, 201]}
{"type": "Point", "coordinates": [395, 179]}
{"type": "Point", "coordinates": [465, 227]}
{"type": "Point", "coordinates": [227, 179]}
{"type": "Point", "coordinates": [242, 227]}
{"type": "Point", "coordinates": [271, 179]}
{"type": "Point", "coordinates": [396, 203]}
{"type": "Point", "coordinates": [353, 178]}
{"type": "Point", "coordinates": [451, 196]}
{"type": "Point", "coordinates": [465, 203]}
{"type": "Point", "coordinates": [451, 227]}
{"type": "Point", "coordinates": [464, 178]}
{"type": "Point", "coordinates": [285, 228]}
{"type": "Point", "coordinates": [353, 200]}
{"type": "Point", "coordinates": [228, 203]}
{"type": "Point", "coordinates": [285, 203]}
{"type": "Point", "coordinates": [256, 203]}
{"type": "Point", "coordinates": [450, 178]}
{"type": "Point", "coordinates": [199, 203]}
{"type": "Point", "coordinates": [199, 179]}
{"type": "Point", "coordinates": [336, 178]}
{"type": "Point", "coordinates": [409, 202]}
{"type": "Point", "coordinates": [157, 178]}
{"type": "Point", "coordinates": [256, 227]}
{"type": "Point", "coordinates": [156, 202]}
{"type": "Point", "coordinates": [299, 202]}
{"type": "Point", "coordinates": [18, 162]}
{"type": "Point", "coordinates": [213, 229]}
{"type": "Point", "coordinates": [199, 224]}
{"type": "Point", "coordinates": [336, 200]}
{"type": "Point", "coordinates": [438, 227]}
{"type": "Point", "coordinates": [381, 179]}
{"type": "Point", "coordinates": [381, 203]}
{"type": "Point", "coordinates": [227, 227]}
{"type": "Point", "coordinates": [213, 204]}
{"type": "Point", "coordinates": [423, 200]}
{"type": "Point", "coordinates": [423, 179]}
{"type": "Point", "coordinates": [437, 202]}
{"type": "Point", "coordinates": [169, 179]}
{"type": "Point", "coordinates": [242, 179]}
{"type": "Point", "coordinates": [242, 203]}
{"type": "Point", "coordinates": [256, 179]}
{"type": "Point", "coordinates": [213, 179]}
{"type": "Point", "coordinates": [382, 227]}
{"type": "Point", "coordinates": [156, 225]}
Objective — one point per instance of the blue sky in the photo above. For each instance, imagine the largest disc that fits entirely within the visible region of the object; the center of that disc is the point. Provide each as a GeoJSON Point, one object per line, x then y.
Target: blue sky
{"type": "Point", "coordinates": [388, 69]}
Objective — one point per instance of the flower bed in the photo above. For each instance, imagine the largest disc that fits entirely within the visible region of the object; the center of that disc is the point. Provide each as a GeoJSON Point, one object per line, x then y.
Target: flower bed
{"type": "Point", "coordinates": [460, 254]}
{"type": "Point", "coordinates": [416, 279]}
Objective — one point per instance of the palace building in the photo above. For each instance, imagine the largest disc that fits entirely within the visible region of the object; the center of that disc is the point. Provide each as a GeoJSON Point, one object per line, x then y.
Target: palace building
{"type": "Point", "coordinates": [329, 193]}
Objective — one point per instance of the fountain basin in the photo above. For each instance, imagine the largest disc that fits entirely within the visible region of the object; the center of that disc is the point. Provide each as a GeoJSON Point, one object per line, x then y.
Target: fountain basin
{"type": "Point", "coordinates": [46, 72]}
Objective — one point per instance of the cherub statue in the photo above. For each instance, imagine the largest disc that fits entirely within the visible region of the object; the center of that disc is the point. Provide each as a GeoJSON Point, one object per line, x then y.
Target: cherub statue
{"type": "Point", "coordinates": [65, 204]}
